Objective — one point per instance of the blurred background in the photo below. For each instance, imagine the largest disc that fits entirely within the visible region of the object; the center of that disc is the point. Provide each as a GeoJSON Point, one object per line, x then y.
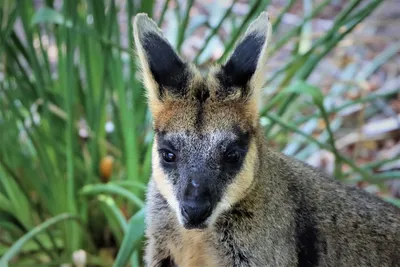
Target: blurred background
{"type": "Point", "coordinates": [75, 132]}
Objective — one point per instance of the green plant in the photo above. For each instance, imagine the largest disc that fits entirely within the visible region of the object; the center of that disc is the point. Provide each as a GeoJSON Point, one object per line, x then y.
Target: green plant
{"type": "Point", "coordinates": [67, 73]}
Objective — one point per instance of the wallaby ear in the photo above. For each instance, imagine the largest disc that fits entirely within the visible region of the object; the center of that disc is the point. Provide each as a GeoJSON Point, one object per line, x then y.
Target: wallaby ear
{"type": "Point", "coordinates": [163, 70]}
{"type": "Point", "coordinates": [245, 67]}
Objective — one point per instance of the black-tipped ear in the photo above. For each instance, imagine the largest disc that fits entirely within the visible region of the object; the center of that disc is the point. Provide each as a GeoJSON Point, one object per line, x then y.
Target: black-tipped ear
{"type": "Point", "coordinates": [162, 68]}
{"type": "Point", "coordinates": [243, 68]}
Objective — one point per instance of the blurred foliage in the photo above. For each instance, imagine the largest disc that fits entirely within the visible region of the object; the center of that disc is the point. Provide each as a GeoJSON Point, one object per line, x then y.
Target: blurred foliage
{"type": "Point", "coordinates": [75, 132]}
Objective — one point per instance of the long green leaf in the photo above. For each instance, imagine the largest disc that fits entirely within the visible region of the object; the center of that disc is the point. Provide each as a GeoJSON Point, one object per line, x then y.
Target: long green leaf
{"type": "Point", "coordinates": [111, 189]}
{"type": "Point", "coordinates": [17, 246]}
{"type": "Point", "coordinates": [114, 216]}
{"type": "Point", "coordinates": [132, 237]}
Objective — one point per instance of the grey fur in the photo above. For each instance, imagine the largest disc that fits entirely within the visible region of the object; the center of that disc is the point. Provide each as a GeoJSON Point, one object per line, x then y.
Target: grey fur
{"type": "Point", "coordinates": [353, 228]}
{"type": "Point", "coordinates": [290, 214]}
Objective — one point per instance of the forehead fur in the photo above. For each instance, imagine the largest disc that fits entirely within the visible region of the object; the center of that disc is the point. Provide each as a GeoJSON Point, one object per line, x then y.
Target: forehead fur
{"type": "Point", "coordinates": [203, 116]}
{"type": "Point", "coordinates": [203, 108]}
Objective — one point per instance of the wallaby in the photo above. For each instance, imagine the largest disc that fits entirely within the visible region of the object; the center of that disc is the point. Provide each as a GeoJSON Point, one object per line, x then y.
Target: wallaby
{"type": "Point", "coordinates": [219, 196]}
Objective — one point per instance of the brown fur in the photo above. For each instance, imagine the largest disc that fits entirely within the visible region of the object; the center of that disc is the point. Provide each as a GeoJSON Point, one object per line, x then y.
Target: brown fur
{"type": "Point", "coordinates": [277, 211]}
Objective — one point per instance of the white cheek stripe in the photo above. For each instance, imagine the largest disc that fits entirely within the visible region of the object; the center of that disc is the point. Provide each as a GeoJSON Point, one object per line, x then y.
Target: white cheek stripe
{"type": "Point", "coordinates": [163, 184]}
{"type": "Point", "coordinates": [237, 189]}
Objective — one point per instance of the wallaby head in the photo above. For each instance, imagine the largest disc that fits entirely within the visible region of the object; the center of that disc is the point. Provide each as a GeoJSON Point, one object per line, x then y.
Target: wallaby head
{"type": "Point", "coordinates": [204, 152]}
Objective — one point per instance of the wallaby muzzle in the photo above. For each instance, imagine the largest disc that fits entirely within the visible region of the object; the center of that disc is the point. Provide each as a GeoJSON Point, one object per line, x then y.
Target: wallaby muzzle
{"type": "Point", "coordinates": [197, 201]}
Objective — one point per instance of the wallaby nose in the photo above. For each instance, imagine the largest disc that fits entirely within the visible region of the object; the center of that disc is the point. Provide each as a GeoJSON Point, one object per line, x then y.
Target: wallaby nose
{"type": "Point", "coordinates": [195, 213]}
{"type": "Point", "coordinates": [196, 204]}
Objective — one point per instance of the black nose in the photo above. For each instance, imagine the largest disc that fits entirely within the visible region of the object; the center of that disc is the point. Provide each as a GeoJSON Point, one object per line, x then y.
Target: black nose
{"type": "Point", "coordinates": [195, 213]}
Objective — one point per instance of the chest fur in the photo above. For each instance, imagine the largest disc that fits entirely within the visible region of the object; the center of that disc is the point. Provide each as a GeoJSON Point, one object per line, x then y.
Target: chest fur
{"type": "Point", "coordinates": [192, 248]}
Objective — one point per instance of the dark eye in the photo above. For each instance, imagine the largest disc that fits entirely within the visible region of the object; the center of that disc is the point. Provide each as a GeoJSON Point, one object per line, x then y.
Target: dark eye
{"type": "Point", "coordinates": [168, 156]}
{"type": "Point", "coordinates": [233, 156]}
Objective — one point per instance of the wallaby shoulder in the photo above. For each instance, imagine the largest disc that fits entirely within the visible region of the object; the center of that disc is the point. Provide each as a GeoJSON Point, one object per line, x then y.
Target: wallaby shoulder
{"type": "Point", "coordinates": [337, 223]}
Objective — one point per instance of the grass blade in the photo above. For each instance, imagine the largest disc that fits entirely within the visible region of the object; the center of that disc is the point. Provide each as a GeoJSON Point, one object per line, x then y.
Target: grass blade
{"type": "Point", "coordinates": [183, 26]}
{"type": "Point", "coordinates": [111, 189]}
{"type": "Point", "coordinates": [17, 246]}
{"type": "Point", "coordinates": [134, 234]}
{"type": "Point", "coordinates": [214, 31]}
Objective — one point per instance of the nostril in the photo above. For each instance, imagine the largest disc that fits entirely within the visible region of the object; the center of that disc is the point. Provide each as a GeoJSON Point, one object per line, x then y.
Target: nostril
{"type": "Point", "coordinates": [184, 213]}
{"type": "Point", "coordinates": [195, 183]}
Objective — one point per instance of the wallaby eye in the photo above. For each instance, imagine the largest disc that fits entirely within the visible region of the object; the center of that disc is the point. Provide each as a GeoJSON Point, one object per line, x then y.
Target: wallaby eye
{"type": "Point", "coordinates": [168, 156]}
{"type": "Point", "coordinates": [233, 156]}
